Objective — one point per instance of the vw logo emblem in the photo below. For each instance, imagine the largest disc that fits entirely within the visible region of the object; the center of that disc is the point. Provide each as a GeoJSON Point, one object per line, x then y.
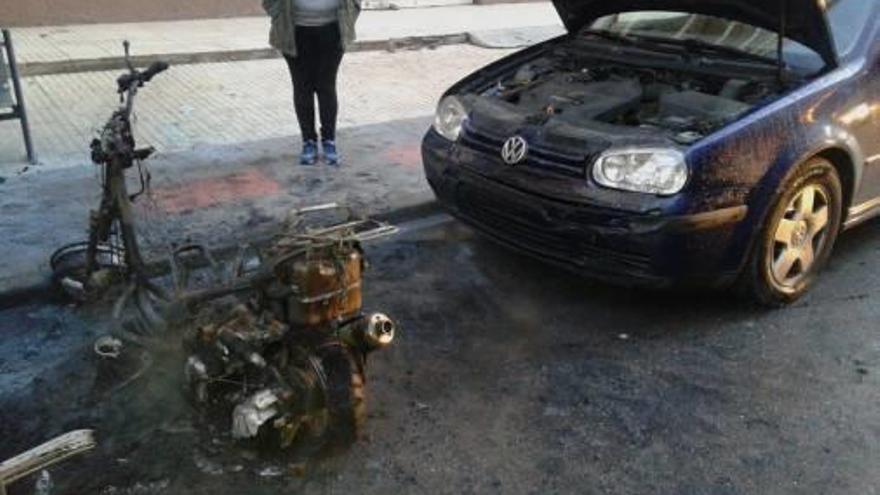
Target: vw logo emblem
{"type": "Point", "coordinates": [514, 150]}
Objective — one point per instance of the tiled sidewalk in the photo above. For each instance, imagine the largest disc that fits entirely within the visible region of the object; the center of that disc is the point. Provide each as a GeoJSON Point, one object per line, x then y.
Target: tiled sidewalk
{"type": "Point", "coordinates": [65, 43]}
{"type": "Point", "coordinates": [226, 131]}
{"type": "Point", "coordinates": [230, 103]}
{"type": "Point", "coordinates": [225, 168]}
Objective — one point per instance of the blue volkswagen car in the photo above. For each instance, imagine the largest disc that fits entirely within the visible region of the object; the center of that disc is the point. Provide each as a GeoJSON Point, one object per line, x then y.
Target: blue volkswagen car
{"type": "Point", "coordinates": [673, 142]}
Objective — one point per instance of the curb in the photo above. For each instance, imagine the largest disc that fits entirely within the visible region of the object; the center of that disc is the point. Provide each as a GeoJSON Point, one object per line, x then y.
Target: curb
{"type": "Point", "coordinates": [42, 292]}
{"type": "Point", "coordinates": [514, 38]}
{"type": "Point", "coordinates": [113, 63]}
{"type": "Point", "coordinates": [414, 4]}
{"type": "Point", "coordinates": [19, 296]}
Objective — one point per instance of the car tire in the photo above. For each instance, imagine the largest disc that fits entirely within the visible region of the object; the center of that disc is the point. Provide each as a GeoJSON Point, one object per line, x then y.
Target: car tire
{"type": "Point", "coordinates": [68, 266]}
{"type": "Point", "coordinates": [798, 235]}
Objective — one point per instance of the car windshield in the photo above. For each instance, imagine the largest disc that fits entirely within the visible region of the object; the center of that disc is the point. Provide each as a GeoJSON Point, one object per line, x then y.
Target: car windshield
{"type": "Point", "coordinates": [683, 26]}
{"type": "Point", "coordinates": [847, 19]}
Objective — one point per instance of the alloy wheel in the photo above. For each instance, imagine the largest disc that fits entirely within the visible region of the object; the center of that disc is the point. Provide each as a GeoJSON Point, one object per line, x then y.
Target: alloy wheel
{"type": "Point", "coordinates": [800, 236]}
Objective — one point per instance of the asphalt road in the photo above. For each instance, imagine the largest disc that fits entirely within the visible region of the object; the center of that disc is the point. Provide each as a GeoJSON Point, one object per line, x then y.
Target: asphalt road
{"type": "Point", "coordinates": [509, 377]}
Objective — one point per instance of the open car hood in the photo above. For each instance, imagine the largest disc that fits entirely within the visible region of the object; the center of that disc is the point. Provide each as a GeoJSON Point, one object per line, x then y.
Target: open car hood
{"type": "Point", "coordinates": [805, 20]}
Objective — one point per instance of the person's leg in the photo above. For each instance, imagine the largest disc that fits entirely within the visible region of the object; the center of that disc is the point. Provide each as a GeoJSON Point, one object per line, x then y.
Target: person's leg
{"type": "Point", "coordinates": [303, 96]}
{"type": "Point", "coordinates": [325, 81]}
{"type": "Point", "coordinates": [302, 71]}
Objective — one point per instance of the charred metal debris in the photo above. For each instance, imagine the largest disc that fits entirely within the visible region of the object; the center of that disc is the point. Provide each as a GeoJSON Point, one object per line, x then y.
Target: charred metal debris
{"type": "Point", "coordinates": [277, 341]}
{"type": "Point", "coordinates": [289, 361]}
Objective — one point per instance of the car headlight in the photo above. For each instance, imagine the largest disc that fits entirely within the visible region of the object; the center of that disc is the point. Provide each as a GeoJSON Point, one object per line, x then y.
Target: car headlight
{"type": "Point", "coordinates": [653, 171]}
{"type": "Point", "coordinates": [450, 117]}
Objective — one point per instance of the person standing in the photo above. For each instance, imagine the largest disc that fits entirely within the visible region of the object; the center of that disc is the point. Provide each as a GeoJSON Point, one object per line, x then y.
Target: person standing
{"type": "Point", "coordinates": [312, 35]}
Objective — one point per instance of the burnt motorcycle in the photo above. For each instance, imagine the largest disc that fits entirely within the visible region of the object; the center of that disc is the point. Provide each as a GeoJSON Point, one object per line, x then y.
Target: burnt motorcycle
{"type": "Point", "coordinates": [289, 361]}
{"type": "Point", "coordinates": [111, 255]}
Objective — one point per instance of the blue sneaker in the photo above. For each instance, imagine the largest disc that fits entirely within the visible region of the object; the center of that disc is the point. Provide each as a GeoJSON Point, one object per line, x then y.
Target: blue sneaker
{"type": "Point", "coordinates": [330, 154]}
{"type": "Point", "coordinates": [309, 153]}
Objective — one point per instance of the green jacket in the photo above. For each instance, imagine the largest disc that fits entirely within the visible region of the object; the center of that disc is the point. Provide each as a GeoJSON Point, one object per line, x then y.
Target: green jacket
{"type": "Point", "coordinates": [282, 36]}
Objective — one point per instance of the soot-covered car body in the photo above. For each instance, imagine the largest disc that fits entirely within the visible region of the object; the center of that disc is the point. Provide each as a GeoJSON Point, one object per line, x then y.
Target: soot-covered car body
{"type": "Point", "coordinates": [656, 142]}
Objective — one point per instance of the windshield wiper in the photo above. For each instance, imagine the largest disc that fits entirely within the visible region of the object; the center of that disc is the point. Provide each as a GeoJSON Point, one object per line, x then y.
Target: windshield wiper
{"type": "Point", "coordinates": [612, 36]}
{"type": "Point", "coordinates": [698, 45]}
{"type": "Point", "coordinates": [664, 44]}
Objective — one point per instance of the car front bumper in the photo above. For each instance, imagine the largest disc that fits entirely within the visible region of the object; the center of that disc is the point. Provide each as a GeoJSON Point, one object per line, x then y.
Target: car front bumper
{"type": "Point", "coordinates": [620, 247]}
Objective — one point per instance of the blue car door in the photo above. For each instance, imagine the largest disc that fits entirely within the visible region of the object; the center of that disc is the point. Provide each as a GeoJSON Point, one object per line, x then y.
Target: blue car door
{"type": "Point", "coordinates": [857, 36]}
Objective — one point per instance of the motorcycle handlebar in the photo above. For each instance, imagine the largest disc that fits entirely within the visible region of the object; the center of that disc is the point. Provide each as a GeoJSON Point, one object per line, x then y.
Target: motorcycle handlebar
{"type": "Point", "coordinates": [137, 78]}
{"type": "Point", "coordinates": [155, 68]}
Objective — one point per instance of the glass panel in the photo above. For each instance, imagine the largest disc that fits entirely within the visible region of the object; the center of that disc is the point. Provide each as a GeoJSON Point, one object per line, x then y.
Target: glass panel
{"type": "Point", "coordinates": [848, 20]}
{"type": "Point", "coordinates": [682, 25]}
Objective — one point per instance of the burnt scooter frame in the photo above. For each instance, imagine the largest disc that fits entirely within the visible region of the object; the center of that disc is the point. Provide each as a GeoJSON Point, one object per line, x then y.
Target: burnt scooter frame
{"type": "Point", "coordinates": [86, 269]}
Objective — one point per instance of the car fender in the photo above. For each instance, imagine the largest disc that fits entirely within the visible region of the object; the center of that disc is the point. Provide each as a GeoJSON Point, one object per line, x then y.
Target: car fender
{"type": "Point", "coordinates": [823, 138]}
{"type": "Point", "coordinates": [748, 161]}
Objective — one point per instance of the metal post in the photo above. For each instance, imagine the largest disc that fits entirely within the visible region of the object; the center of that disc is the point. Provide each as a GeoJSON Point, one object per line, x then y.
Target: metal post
{"type": "Point", "coordinates": [20, 109]}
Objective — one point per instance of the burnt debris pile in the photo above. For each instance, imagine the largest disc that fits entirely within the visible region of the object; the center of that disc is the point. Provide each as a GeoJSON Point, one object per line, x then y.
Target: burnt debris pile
{"type": "Point", "coordinates": [288, 360]}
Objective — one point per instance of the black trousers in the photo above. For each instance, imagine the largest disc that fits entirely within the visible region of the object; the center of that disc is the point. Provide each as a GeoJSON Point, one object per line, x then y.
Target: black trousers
{"type": "Point", "coordinates": [313, 71]}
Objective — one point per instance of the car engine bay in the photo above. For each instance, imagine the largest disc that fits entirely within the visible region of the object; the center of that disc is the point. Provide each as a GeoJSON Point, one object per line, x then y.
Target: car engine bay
{"type": "Point", "coordinates": [568, 88]}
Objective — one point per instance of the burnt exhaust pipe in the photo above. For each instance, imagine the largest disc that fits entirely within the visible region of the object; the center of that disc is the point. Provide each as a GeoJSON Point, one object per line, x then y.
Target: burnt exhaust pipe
{"type": "Point", "coordinates": [369, 333]}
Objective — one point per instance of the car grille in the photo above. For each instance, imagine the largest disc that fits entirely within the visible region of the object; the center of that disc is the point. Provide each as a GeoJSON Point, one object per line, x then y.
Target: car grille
{"type": "Point", "coordinates": [526, 227]}
{"type": "Point", "coordinates": [559, 162]}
